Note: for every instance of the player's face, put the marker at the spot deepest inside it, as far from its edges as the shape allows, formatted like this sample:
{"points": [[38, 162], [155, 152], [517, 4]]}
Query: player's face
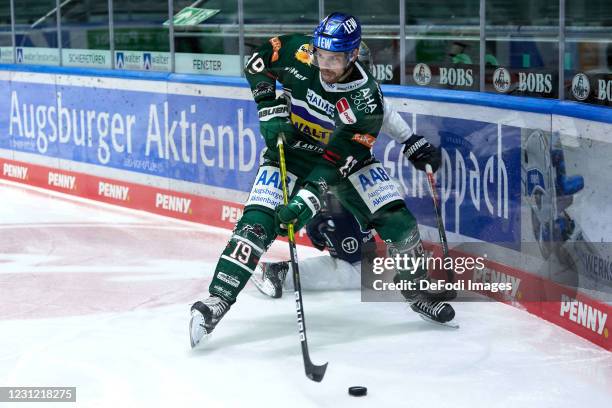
{"points": [[331, 64]]}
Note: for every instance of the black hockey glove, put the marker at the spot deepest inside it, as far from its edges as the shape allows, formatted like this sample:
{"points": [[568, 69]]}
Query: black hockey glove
{"points": [[316, 229], [420, 153]]}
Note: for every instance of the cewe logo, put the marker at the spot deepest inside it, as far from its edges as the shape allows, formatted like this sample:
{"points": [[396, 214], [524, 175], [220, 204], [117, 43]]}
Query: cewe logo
{"points": [[489, 275], [115, 191], [173, 203], [230, 213], [13, 171], [347, 115], [584, 314], [62, 181]]}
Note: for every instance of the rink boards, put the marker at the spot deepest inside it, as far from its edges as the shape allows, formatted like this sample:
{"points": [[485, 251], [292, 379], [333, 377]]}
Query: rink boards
{"points": [[188, 147]]}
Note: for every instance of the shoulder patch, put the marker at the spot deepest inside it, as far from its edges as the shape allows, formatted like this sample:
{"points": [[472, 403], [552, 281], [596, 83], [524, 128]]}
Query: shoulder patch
{"points": [[365, 140], [276, 46], [304, 54], [347, 115]]}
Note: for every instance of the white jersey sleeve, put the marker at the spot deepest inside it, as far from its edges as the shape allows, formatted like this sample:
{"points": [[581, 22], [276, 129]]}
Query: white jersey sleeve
{"points": [[394, 125]]}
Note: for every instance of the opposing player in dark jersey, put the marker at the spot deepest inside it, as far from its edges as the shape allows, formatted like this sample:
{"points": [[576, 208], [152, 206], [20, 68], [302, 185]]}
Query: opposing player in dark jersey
{"points": [[329, 116], [333, 229]]}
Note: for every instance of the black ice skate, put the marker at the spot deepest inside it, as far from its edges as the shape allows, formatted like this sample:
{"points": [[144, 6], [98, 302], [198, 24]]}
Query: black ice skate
{"points": [[204, 317], [272, 278], [435, 312], [430, 306]]}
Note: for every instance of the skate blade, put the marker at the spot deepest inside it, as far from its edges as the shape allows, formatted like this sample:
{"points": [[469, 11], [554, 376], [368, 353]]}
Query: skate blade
{"points": [[197, 333], [267, 290], [451, 324]]}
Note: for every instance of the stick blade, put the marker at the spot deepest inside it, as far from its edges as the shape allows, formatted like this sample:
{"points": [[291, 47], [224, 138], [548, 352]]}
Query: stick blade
{"points": [[316, 372]]}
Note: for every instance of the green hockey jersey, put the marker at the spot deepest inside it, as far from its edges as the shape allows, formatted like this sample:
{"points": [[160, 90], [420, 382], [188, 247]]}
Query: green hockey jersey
{"points": [[342, 118]]}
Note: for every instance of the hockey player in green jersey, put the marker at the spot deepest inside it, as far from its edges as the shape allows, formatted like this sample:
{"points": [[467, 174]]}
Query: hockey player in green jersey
{"points": [[329, 116]]}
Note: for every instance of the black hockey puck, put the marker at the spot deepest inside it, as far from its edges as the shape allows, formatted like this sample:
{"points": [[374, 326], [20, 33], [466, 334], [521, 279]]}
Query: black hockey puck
{"points": [[358, 391]]}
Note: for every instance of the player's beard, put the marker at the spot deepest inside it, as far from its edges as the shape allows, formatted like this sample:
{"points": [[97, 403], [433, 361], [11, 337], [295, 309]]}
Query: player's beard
{"points": [[330, 76]]}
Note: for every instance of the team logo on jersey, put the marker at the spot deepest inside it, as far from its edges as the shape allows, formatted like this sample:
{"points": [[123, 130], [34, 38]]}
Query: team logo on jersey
{"points": [[263, 88], [304, 54], [347, 115], [501, 80], [276, 46], [581, 87], [421, 74], [350, 245]]}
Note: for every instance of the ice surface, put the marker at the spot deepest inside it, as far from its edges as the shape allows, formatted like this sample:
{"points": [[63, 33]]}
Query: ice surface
{"points": [[97, 297]]}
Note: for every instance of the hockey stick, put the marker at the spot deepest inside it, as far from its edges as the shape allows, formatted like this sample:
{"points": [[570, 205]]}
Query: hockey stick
{"points": [[314, 372], [431, 182]]}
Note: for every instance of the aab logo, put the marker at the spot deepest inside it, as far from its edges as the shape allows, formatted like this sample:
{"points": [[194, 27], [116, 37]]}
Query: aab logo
{"points": [[501, 80], [146, 57], [120, 60], [273, 179], [376, 175], [422, 74], [581, 87]]}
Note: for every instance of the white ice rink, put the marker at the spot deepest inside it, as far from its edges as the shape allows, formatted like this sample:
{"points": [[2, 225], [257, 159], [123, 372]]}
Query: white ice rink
{"points": [[98, 298]]}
